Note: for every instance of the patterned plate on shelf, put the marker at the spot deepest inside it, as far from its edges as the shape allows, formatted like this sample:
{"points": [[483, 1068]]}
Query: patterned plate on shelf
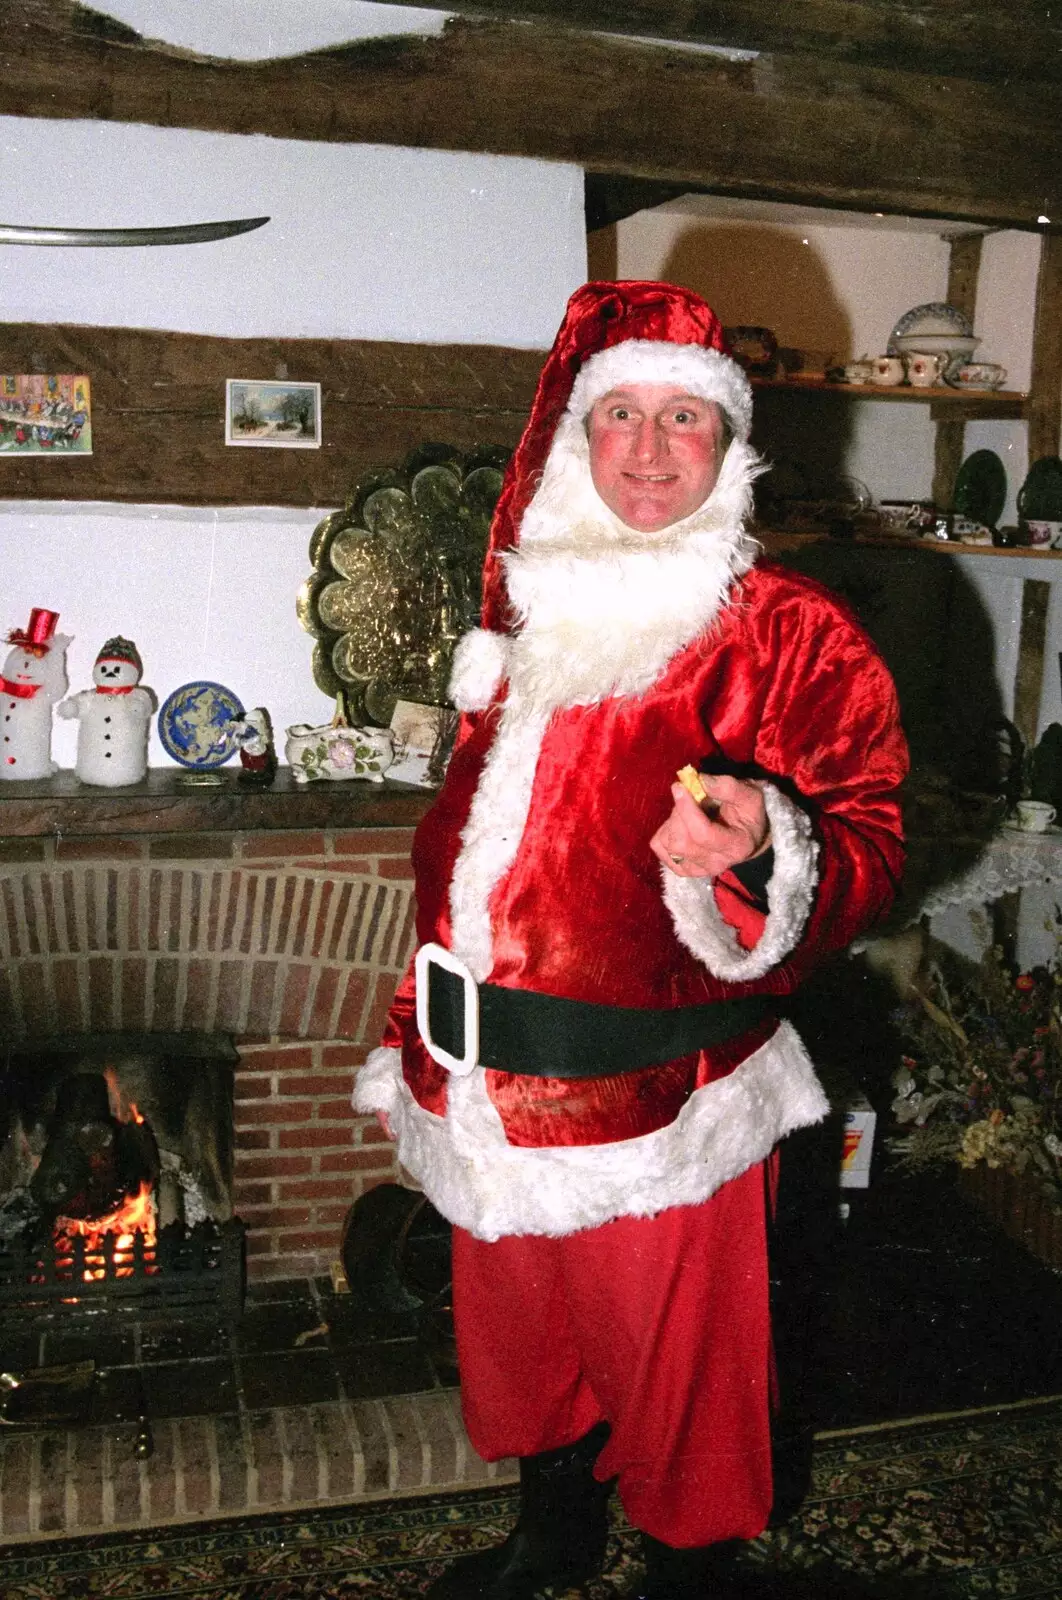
{"points": [[196, 725], [935, 317]]}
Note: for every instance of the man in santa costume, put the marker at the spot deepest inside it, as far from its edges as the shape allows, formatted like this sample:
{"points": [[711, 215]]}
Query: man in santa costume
{"points": [[585, 1067]]}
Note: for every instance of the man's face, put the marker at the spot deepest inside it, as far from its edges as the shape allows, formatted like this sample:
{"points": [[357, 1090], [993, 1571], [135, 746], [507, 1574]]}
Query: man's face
{"points": [[654, 453]]}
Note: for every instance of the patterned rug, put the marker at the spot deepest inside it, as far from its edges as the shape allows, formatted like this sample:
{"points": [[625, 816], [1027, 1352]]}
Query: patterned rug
{"points": [[956, 1507]]}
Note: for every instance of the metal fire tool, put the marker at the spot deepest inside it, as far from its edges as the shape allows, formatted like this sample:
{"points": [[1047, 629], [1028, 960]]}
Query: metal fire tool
{"points": [[63, 1396]]}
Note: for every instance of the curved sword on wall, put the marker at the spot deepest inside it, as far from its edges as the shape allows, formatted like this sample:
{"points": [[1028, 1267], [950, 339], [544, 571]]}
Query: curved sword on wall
{"points": [[186, 233]]}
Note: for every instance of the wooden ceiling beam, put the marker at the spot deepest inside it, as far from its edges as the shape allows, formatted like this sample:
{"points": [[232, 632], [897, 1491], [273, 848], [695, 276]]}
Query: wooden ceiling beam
{"points": [[984, 40], [778, 127]]}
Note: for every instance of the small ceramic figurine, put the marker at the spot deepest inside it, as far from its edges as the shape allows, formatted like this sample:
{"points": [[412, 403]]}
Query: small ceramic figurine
{"points": [[34, 678], [113, 718], [258, 758], [337, 751]]}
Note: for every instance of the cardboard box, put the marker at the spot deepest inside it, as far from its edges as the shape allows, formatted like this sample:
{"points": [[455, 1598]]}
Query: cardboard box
{"points": [[860, 1121]]}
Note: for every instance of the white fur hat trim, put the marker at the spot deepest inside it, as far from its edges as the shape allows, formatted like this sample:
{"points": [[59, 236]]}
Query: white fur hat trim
{"points": [[706, 373]]}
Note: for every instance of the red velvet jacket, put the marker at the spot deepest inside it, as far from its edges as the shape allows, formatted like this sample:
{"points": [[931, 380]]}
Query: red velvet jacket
{"points": [[784, 684]]}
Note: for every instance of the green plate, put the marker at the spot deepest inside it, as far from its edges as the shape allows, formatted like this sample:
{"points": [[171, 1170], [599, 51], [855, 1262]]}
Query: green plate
{"points": [[1040, 496], [981, 488]]}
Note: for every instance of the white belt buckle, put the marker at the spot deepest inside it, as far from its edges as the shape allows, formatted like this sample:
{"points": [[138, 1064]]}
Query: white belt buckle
{"points": [[460, 1066]]}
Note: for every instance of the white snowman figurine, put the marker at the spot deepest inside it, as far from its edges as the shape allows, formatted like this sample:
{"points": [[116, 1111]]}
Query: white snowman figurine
{"points": [[113, 718], [33, 679]]}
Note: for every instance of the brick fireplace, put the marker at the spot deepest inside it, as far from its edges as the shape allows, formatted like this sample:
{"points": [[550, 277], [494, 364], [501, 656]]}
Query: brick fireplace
{"points": [[282, 918]]}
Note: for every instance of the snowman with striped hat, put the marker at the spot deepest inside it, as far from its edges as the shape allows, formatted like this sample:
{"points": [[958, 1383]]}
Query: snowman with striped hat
{"points": [[113, 718]]}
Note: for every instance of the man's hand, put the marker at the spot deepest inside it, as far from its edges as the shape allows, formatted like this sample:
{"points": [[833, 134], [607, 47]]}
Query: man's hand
{"points": [[385, 1123], [732, 826]]}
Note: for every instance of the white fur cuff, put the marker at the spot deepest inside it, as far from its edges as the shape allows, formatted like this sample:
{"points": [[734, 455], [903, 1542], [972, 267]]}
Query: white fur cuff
{"points": [[480, 664], [377, 1085], [701, 928]]}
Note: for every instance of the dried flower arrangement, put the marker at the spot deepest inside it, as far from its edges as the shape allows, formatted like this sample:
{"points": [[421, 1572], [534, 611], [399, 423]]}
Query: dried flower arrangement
{"points": [[983, 1080]]}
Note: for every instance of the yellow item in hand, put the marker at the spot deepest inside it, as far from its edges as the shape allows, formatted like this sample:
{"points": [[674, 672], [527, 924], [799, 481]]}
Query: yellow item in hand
{"points": [[690, 780]]}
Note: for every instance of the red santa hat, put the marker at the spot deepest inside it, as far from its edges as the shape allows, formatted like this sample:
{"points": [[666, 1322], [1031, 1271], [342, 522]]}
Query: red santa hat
{"points": [[612, 333]]}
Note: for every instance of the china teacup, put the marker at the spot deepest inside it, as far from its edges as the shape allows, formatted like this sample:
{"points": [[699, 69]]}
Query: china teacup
{"points": [[912, 516], [1035, 816], [979, 375], [923, 369], [1041, 534], [886, 371]]}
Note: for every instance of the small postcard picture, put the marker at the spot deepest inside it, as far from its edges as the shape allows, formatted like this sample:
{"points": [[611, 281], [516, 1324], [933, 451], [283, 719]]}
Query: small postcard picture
{"points": [[424, 738], [45, 415], [277, 415]]}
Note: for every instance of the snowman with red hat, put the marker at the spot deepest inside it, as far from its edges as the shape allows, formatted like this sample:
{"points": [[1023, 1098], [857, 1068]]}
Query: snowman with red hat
{"points": [[113, 718], [33, 679]]}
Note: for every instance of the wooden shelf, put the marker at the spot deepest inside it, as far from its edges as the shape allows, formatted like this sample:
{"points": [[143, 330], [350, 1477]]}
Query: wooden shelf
{"points": [[944, 403], [776, 540], [62, 807]]}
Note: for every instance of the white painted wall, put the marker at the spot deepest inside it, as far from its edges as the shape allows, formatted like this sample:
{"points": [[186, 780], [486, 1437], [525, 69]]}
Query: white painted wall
{"points": [[366, 242], [363, 242], [253, 30]]}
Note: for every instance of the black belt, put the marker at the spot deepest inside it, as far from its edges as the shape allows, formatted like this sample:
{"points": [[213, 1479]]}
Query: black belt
{"points": [[544, 1036]]}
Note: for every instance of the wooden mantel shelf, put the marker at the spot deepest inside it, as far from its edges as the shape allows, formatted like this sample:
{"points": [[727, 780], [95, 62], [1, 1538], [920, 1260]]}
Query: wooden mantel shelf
{"points": [[62, 807]]}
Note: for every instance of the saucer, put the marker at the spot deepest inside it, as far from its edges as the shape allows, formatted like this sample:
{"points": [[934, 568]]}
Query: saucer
{"points": [[1052, 831]]}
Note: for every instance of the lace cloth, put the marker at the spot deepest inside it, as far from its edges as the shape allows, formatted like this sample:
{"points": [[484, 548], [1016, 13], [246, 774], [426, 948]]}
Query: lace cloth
{"points": [[944, 873]]}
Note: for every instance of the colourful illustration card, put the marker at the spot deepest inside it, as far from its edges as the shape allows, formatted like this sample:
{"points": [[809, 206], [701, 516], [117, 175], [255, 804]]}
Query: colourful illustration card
{"points": [[45, 414]]}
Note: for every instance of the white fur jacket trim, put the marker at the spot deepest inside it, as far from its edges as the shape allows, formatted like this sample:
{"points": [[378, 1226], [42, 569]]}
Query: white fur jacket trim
{"points": [[480, 664], [702, 930], [480, 1182]]}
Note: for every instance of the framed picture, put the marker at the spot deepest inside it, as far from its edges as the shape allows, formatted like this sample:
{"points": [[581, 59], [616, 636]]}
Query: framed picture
{"points": [[276, 416], [45, 414]]}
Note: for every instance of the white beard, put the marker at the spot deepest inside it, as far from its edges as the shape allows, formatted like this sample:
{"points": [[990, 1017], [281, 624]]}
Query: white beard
{"points": [[602, 608]]}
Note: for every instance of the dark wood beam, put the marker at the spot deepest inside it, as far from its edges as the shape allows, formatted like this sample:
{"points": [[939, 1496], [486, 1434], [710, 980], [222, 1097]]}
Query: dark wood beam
{"points": [[783, 126], [158, 412], [1045, 386], [985, 40], [610, 198], [964, 265]]}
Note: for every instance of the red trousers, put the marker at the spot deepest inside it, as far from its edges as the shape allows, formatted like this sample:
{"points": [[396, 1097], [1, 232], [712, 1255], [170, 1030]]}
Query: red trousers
{"points": [[659, 1326]]}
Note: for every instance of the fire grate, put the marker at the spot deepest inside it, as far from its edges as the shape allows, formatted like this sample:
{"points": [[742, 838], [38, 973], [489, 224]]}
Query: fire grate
{"points": [[187, 1272], [108, 1132]]}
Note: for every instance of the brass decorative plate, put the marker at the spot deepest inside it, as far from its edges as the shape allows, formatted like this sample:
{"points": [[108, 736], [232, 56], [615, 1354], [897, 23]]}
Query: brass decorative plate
{"points": [[324, 533], [396, 578]]}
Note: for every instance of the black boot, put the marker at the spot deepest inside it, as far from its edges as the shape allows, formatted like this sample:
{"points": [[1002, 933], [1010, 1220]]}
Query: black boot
{"points": [[698, 1573], [559, 1537]]}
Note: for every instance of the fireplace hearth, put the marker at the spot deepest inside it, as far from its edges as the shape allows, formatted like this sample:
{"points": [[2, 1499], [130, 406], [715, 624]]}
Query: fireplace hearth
{"points": [[116, 1179]]}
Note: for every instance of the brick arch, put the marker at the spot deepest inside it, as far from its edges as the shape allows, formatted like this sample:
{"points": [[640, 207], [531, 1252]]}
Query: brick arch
{"points": [[274, 950]]}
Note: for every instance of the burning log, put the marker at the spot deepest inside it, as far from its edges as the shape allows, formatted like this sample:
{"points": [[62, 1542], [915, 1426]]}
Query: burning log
{"points": [[92, 1161]]}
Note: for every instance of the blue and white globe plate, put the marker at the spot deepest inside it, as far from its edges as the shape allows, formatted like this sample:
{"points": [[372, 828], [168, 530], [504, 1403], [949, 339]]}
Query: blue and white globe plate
{"points": [[196, 725]]}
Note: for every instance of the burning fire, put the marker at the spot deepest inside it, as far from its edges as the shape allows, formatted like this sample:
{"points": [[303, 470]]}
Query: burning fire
{"points": [[135, 1215], [125, 1111]]}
